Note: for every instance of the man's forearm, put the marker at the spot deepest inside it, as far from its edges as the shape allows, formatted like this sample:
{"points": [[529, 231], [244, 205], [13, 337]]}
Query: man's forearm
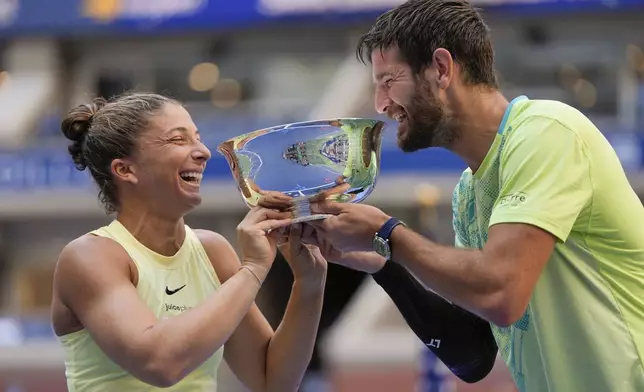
{"points": [[291, 347], [459, 275], [461, 340]]}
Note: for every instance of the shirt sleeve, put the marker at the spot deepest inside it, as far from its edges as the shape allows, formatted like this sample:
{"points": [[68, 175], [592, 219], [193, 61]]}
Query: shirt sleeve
{"points": [[545, 177]]}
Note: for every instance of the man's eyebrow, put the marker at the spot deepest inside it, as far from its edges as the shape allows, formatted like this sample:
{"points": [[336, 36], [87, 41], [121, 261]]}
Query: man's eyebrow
{"points": [[382, 75]]}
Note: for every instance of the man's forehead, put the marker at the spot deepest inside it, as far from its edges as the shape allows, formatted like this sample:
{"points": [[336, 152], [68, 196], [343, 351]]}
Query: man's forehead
{"points": [[385, 62], [390, 55]]}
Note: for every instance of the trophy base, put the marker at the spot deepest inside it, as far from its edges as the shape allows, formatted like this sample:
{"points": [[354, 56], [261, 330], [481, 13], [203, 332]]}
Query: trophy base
{"points": [[301, 219], [303, 211]]}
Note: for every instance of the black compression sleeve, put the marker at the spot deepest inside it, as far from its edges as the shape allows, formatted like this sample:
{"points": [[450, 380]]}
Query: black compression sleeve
{"points": [[460, 339]]}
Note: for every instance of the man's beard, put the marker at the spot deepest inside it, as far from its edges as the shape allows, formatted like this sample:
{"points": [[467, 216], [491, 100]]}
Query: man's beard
{"points": [[427, 123]]}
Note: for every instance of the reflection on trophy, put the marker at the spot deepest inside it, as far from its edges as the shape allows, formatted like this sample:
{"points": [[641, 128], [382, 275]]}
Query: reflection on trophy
{"points": [[310, 161], [241, 166]]}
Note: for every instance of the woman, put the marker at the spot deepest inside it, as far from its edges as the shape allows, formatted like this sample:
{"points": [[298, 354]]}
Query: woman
{"points": [[147, 302]]}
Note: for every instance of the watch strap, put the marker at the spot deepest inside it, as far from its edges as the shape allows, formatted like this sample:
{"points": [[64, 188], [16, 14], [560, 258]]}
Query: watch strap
{"points": [[388, 227]]}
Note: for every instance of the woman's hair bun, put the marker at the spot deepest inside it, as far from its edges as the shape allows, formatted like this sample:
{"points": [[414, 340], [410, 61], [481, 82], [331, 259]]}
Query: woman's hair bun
{"points": [[76, 125]]}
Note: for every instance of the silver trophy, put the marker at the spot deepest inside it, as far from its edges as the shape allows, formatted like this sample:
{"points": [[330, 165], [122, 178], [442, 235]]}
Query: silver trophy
{"points": [[310, 161]]}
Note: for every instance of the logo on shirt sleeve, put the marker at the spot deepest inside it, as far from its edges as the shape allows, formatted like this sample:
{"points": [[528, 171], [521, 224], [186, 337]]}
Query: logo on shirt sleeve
{"points": [[512, 200]]}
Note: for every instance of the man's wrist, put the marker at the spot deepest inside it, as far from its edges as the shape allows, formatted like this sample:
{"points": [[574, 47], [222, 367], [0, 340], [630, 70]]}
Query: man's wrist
{"points": [[383, 270], [372, 273], [393, 239], [369, 262], [382, 243], [379, 222]]}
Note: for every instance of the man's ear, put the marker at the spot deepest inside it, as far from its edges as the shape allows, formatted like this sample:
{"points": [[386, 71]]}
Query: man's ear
{"points": [[441, 72], [124, 170]]}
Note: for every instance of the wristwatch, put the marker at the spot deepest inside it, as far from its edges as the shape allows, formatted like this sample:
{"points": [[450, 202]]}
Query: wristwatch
{"points": [[380, 241]]}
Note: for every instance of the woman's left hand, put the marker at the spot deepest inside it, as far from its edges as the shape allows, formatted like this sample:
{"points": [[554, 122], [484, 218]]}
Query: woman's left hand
{"points": [[305, 261]]}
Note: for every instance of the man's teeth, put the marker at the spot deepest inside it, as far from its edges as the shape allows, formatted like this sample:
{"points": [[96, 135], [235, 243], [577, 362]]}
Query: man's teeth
{"points": [[191, 176]]}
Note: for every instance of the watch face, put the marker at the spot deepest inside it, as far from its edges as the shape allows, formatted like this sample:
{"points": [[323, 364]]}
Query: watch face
{"points": [[381, 247]]}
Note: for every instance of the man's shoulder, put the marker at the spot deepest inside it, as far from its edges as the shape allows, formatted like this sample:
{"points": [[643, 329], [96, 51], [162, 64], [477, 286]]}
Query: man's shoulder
{"points": [[551, 128], [533, 117], [547, 109], [543, 125]]}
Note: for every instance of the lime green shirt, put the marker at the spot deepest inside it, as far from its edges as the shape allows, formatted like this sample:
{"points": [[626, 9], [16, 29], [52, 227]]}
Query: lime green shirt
{"points": [[550, 167]]}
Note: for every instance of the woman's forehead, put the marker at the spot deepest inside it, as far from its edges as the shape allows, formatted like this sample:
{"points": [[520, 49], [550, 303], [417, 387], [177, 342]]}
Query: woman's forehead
{"points": [[172, 117]]}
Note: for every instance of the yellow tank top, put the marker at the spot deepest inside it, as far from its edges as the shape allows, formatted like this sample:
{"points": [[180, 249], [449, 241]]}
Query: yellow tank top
{"points": [[169, 286]]}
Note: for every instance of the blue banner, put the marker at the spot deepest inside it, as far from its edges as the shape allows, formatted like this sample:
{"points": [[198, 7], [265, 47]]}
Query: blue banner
{"points": [[65, 17], [39, 168], [45, 168]]}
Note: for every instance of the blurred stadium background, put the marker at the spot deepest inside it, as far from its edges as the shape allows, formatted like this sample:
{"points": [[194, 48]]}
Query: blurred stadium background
{"points": [[246, 64]]}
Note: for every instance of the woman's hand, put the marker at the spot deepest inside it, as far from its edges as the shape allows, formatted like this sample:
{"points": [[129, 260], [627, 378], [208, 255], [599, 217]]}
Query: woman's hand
{"points": [[257, 235], [305, 260]]}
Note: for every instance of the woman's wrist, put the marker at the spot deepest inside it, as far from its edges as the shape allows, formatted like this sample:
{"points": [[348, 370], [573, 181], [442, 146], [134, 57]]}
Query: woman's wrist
{"points": [[259, 272], [311, 281]]}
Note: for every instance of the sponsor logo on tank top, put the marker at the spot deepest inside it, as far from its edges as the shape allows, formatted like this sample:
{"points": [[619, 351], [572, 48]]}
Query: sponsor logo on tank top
{"points": [[176, 308], [173, 292]]}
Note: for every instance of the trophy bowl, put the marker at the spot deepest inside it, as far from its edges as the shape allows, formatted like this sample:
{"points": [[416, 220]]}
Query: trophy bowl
{"points": [[310, 161]]}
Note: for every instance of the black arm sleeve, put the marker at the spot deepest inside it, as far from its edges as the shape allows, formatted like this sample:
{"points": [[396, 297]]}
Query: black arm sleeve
{"points": [[460, 339]]}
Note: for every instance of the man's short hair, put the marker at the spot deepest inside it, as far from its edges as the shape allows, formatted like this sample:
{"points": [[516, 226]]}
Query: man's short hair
{"points": [[419, 27]]}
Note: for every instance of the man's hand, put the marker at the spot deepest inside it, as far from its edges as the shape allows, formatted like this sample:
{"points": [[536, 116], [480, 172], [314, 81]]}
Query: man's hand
{"points": [[369, 262], [352, 226]]}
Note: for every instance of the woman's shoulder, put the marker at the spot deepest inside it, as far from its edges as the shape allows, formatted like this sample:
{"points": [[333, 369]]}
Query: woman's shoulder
{"points": [[211, 238], [220, 252], [91, 244], [92, 254]]}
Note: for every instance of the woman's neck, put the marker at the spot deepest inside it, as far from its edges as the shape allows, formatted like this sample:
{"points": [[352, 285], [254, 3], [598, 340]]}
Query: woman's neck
{"points": [[162, 235]]}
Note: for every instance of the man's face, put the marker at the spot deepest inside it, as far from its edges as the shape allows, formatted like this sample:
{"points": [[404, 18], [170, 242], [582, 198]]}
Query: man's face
{"points": [[410, 99]]}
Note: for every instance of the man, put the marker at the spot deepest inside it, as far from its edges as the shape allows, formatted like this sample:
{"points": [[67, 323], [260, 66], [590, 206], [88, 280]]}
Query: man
{"points": [[549, 240]]}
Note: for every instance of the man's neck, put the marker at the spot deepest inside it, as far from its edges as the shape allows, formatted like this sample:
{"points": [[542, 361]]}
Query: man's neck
{"points": [[162, 235], [479, 116]]}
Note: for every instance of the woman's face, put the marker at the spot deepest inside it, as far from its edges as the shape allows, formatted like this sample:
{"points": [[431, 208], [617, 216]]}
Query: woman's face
{"points": [[170, 160]]}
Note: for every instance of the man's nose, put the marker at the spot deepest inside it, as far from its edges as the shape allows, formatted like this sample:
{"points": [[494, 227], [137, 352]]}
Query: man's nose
{"points": [[382, 101]]}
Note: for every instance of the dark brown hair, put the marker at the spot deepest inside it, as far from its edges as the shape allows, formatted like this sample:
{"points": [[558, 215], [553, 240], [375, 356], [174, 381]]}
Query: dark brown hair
{"points": [[419, 27], [103, 130]]}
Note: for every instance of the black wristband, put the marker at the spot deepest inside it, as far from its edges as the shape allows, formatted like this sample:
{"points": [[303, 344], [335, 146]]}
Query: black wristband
{"points": [[460, 339]]}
